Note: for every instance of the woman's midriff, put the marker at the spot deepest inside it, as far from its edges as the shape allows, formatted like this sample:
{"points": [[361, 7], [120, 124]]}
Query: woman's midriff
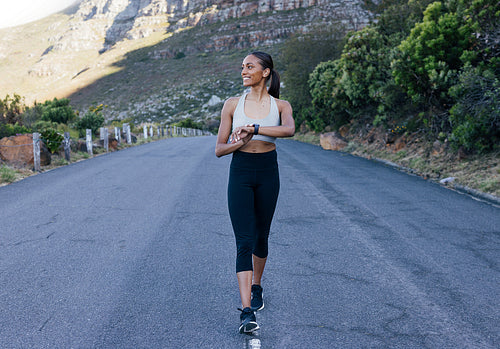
{"points": [[258, 147]]}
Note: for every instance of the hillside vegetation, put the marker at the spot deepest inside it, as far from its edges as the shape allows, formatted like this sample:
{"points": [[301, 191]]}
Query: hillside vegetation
{"points": [[419, 86]]}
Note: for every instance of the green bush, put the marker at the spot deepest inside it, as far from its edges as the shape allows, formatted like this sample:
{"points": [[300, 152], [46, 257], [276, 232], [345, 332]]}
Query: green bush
{"points": [[52, 139], [396, 18], [91, 120], [41, 125], [359, 85], [7, 130], [188, 123], [7, 175], [179, 55], [329, 102], [58, 110], [475, 117], [431, 56]]}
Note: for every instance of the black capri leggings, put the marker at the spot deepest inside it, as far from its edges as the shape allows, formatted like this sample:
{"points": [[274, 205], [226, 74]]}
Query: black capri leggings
{"points": [[252, 194]]}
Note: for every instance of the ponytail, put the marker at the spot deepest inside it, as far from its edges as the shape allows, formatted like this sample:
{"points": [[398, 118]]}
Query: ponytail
{"points": [[266, 61], [274, 86]]}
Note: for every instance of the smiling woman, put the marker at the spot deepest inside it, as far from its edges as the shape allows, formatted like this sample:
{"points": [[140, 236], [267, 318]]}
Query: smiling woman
{"points": [[249, 127], [17, 12]]}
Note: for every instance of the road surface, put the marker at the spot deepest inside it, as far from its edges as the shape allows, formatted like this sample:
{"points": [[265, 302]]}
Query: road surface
{"points": [[134, 249]]}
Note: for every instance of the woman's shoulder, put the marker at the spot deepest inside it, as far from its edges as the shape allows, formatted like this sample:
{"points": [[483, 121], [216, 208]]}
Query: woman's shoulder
{"points": [[282, 103], [232, 101]]}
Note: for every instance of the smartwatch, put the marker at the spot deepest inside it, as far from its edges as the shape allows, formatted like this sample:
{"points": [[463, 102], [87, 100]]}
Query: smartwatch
{"points": [[256, 129]]}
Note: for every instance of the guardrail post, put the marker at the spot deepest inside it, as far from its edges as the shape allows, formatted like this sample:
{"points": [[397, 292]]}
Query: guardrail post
{"points": [[129, 136], [36, 151], [145, 131], [89, 142], [67, 146], [105, 138], [117, 135]]}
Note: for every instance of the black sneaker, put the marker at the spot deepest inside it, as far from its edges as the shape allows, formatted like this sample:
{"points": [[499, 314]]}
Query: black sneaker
{"points": [[248, 321], [257, 302]]}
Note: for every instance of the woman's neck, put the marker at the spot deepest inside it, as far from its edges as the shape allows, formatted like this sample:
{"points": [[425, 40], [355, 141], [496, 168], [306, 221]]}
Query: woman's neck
{"points": [[258, 93]]}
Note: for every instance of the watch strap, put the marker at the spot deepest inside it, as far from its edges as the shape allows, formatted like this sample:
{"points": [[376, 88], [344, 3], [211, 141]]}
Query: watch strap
{"points": [[256, 129]]}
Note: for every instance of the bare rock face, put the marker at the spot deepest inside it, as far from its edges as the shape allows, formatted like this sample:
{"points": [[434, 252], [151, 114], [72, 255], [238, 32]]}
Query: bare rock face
{"points": [[332, 141], [18, 150], [99, 24]]}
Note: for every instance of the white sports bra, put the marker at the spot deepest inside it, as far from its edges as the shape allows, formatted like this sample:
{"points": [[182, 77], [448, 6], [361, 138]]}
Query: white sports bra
{"points": [[272, 119]]}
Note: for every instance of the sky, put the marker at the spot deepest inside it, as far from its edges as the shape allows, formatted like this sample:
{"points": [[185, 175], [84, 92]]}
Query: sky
{"points": [[16, 12]]}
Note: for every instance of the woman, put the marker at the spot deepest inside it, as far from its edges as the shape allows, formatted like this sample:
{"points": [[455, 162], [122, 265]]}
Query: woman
{"points": [[248, 129]]}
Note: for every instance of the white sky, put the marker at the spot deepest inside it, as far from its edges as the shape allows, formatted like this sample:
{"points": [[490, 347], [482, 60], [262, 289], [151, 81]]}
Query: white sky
{"points": [[16, 12]]}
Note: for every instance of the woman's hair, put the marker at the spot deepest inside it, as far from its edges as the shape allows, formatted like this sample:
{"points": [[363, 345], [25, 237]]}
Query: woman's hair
{"points": [[266, 61]]}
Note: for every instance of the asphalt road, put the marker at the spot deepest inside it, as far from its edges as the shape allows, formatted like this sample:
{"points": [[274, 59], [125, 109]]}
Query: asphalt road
{"points": [[134, 249]]}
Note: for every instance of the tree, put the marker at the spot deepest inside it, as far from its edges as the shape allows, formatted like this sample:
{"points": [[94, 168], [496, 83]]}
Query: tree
{"points": [[11, 109], [329, 101], [475, 117], [396, 18], [300, 56], [431, 56], [31, 115], [358, 85]]}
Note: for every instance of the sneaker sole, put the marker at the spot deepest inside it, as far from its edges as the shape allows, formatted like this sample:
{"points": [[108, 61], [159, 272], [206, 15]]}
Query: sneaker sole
{"points": [[249, 327], [257, 309]]}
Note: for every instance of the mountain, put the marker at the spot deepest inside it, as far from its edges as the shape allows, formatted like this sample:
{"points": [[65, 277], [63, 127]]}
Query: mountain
{"points": [[155, 59]]}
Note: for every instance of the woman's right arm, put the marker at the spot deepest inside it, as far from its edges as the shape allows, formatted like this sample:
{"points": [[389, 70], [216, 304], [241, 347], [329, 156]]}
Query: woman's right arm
{"points": [[222, 147]]}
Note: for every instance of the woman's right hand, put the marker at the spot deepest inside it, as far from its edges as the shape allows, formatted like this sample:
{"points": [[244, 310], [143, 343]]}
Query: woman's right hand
{"points": [[243, 133]]}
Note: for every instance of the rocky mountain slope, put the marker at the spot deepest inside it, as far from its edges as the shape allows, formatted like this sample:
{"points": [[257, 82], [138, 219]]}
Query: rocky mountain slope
{"points": [[154, 59]]}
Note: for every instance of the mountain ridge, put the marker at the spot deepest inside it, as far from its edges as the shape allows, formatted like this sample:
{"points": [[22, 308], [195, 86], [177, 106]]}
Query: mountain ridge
{"points": [[136, 42]]}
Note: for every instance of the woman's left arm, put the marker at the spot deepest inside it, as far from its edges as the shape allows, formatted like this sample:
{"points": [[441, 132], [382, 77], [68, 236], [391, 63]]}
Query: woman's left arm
{"points": [[287, 127]]}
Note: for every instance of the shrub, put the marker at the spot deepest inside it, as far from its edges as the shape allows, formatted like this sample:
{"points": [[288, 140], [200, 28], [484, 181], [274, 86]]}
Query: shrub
{"points": [[7, 130], [92, 120], [7, 175], [179, 55], [52, 139], [188, 123], [358, 85], [58, 110], [431, 56], [475, 117], [329, 102]]}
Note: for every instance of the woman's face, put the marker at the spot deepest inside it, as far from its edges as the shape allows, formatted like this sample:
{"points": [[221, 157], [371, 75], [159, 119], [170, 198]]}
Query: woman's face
{"points": [[252, 72]]}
